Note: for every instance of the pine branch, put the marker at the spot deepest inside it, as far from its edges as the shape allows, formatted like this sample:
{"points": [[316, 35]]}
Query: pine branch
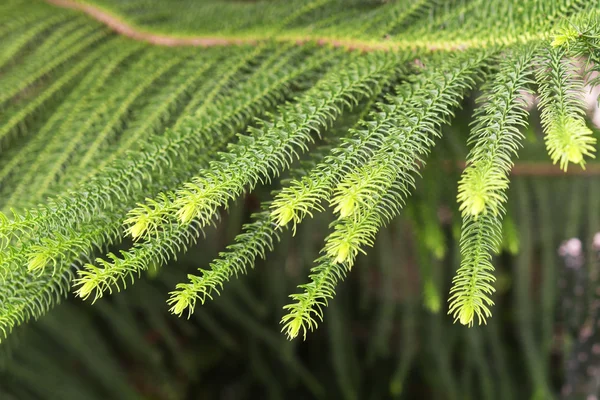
{"points": [[129, 176], [162, 108], [56, 50], [568, 139], [257, 239], [70, 132], [273, 145], [68, 109], [372, 196], [153, 142], [495, 138], [39, 27], [65, 79], [257, 93]]}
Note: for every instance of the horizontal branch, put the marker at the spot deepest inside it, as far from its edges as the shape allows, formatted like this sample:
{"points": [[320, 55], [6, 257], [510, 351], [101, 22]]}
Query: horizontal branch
{"points": [[122, 27]]}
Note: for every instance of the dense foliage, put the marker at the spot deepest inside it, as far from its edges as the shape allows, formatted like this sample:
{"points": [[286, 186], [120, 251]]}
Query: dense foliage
{"points": [[119, 156]]}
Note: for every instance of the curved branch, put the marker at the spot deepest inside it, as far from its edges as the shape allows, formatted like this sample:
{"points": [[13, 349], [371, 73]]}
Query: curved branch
{"points": [[124, 28]]}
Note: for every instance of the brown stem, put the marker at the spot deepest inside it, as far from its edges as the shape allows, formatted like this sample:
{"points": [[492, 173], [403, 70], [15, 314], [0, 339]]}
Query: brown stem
{"points": [[122, 27]]}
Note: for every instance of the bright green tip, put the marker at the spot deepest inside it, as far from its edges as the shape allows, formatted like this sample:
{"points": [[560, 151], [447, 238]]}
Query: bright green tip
{"points": [[558, 41], [138, 229], [569, 140], [466, 315], [86, 289], [186, 213], [38, 261], [343, 253], [346, 207], [477, 205], [480, 189], [293, 328], [565, 36], [283, 215], [574, 155], [180, 306]]}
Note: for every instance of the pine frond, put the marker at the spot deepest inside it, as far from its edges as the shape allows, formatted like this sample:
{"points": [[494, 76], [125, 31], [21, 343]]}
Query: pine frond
{"points": [[389, 178], [111, 128], [53, 156], [150, 136], [162, 109], [39, 26], [306, 310], [59, 48], [270, 149], [70, 220], [129, 175], [15, 119], [68, 109], [174, 237], [320, 106], [14, 19], [495, 138], [257, 239], [568, 139], [46, 280]]}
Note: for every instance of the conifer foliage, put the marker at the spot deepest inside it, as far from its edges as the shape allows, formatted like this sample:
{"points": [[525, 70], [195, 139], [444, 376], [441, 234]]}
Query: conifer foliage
{"points": [[116, 155]]}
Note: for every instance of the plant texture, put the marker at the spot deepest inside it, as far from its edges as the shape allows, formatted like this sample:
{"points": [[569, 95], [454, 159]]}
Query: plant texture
{"points": [[118, 154]]}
